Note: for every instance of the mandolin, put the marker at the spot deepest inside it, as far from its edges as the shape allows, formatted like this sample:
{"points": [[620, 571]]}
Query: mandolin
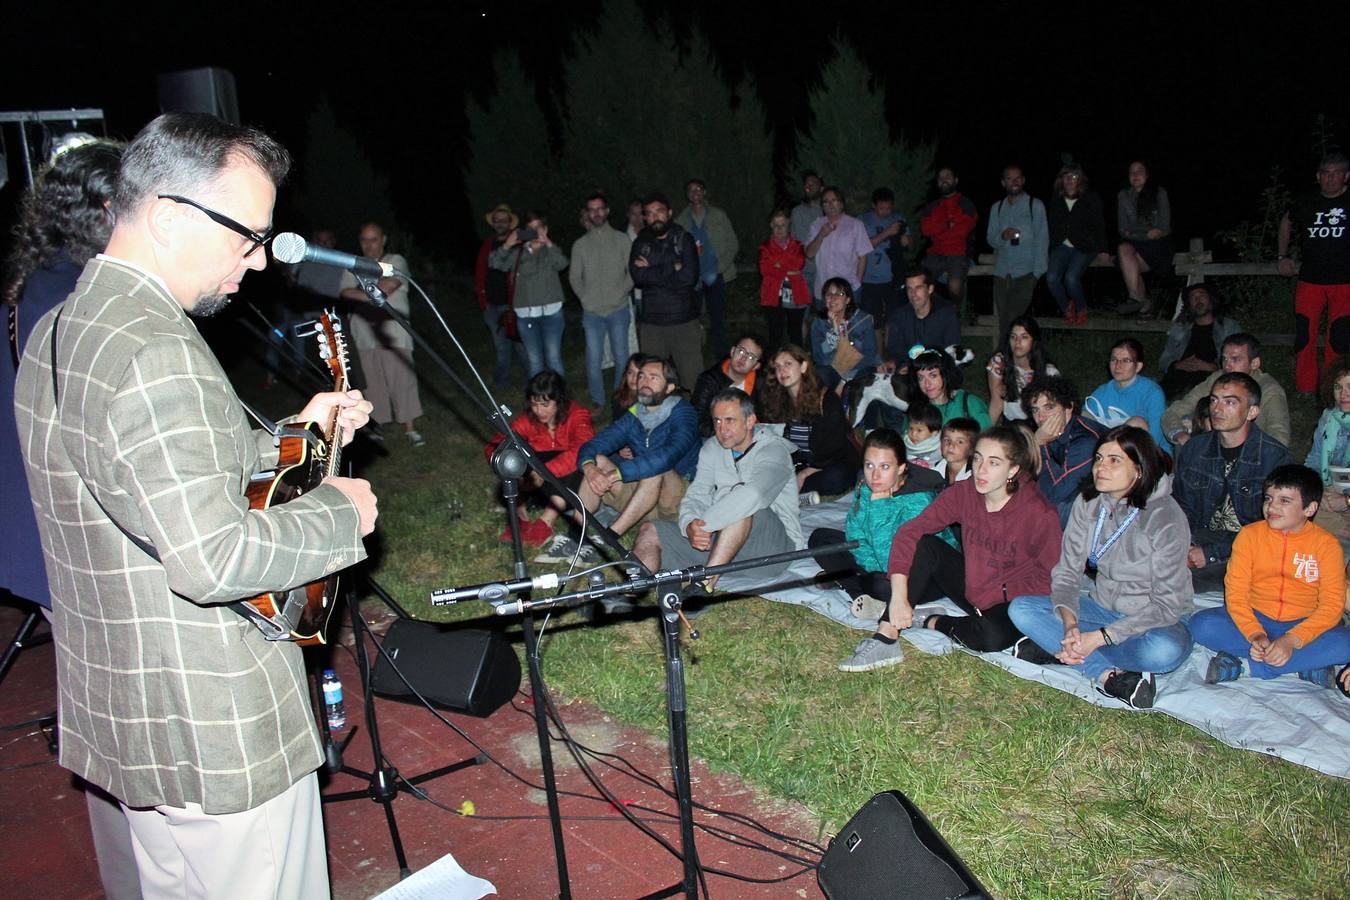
{"points": [[307, 454]]}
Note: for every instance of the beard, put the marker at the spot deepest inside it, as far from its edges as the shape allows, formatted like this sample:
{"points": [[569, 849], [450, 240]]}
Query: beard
{"points": [[649, 397], [209, 306], [659, 228]]}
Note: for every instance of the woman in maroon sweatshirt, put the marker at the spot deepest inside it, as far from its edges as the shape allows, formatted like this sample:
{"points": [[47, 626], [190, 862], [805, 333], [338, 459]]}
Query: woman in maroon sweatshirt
{"points": [[1011, 538]]}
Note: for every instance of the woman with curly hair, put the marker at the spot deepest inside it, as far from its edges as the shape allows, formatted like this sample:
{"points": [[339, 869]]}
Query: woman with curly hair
{"points": [[813, 420]]}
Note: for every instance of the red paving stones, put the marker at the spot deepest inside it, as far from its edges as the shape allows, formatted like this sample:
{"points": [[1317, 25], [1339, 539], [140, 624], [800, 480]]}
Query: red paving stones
{"points": [[43, 830]]}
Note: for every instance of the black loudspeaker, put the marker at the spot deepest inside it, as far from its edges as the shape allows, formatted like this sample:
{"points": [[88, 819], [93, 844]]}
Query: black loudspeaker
{"points": [[208, 90], [465, 671], [889, 850]]}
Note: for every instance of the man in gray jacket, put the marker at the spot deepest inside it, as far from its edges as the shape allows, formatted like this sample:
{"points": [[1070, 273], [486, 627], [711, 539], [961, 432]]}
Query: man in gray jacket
{"points": [[717, 248], [599, 276], [1241, 352], [741, 503], [1021, 239]]}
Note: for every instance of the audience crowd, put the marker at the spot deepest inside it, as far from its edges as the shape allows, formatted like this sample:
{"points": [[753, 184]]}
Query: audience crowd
{"points": [[1156, 488]]}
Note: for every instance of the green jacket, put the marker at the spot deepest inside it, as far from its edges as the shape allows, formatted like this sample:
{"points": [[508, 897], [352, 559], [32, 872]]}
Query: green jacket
{"points": [[723, 237], [873, 524]]}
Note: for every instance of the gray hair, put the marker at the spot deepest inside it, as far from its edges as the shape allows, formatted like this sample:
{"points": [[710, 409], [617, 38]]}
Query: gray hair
{"points": [[734, 395], [179, 153]]}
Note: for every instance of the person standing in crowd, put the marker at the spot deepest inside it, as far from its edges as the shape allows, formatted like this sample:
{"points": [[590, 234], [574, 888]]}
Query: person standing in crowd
{"points": [[843, 341], [1022, 346], [927, 320], [717, 248], [948, 223], [599, 276], [1130, 535], [813, 419], [384, 348], [884, 499], [1011, 538], [1144, 220], [1020, 236], [494, 289], [838, 244], [1128, 394], [1064, 439], [64, 220], [664, 265], [1238, 352], [1330, 452], [885, 228], [1219, 474], [1319, 220], [534, 262], [742, 502], [1077, 236], [1192, 351], [783, 293], [742, 369], [212, 750], [804, 216]]}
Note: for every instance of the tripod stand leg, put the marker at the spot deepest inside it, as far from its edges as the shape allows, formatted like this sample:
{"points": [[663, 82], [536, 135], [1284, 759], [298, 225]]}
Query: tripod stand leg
{"points": [[25, 631]]}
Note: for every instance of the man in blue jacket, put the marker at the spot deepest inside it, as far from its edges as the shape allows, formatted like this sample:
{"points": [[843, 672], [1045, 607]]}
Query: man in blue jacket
{"points": [[1065, 440], [660, 433]]}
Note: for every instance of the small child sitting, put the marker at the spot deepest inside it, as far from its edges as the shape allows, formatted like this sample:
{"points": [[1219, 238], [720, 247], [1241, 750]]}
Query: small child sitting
{"points": [[881, 504], [958, 444], [923, 435], [1285, 590]]}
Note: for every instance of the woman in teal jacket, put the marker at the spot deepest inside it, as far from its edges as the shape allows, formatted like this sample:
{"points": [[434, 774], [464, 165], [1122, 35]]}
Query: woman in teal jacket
{"points": [[880, 506]]}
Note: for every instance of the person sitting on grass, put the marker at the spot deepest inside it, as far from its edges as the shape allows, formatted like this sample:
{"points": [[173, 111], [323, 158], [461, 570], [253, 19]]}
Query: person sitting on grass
{"points": [[740, 369], [1239, 352], [882, 502], [935, 375], [555, 427], [1283, 594], [923, 434], [1128, 394], [1132, 537], [813, 419], [1064, 439], [958, 444], [625, 395], [1023, 346], [742, 502], [1011, 538], [843, 337], [1331, 451], [661, 430]]}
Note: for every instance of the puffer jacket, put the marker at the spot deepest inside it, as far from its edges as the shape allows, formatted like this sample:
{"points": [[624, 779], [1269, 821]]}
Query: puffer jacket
{"points": [[668, 296]]}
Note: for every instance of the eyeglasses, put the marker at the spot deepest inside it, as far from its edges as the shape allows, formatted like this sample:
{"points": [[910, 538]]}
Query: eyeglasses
{"points": [[256, 240], [835, 294], [741, 351]]}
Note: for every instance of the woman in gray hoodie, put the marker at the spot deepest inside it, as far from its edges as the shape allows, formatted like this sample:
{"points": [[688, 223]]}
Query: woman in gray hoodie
{"points": [[1131, 538]]}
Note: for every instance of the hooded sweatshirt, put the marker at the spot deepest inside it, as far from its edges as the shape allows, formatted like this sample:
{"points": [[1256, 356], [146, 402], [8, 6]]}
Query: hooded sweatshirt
{"points": [[1008, 553], [1143, 576]]}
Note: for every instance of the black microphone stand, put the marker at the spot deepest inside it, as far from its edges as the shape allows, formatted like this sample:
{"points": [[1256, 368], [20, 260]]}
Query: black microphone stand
{"points": [[671, 595]]}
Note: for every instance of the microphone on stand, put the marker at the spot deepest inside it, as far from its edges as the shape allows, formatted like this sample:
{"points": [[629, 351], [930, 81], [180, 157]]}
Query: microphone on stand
{"points": [[289, 247]]}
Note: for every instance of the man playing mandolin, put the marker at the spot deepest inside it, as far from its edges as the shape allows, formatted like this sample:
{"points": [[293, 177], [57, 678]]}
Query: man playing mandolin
{"points": [[139, 456]]}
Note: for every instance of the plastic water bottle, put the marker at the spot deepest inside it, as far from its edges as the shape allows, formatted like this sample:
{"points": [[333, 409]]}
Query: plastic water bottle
{"points": [[332, 701]]}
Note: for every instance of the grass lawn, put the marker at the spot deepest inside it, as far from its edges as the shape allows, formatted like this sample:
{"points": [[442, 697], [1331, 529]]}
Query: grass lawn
{"points": [[1042, 794]]}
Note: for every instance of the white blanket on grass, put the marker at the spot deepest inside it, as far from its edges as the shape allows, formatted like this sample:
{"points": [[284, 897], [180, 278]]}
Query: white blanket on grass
{"points": [[1284, 717]]}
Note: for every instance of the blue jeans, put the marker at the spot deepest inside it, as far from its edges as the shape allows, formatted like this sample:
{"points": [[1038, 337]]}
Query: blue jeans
{"points": [[1157, 650], [715, 300], [1064, 277], [615, 325], [505, 347], [542, 337], [1214, 628]]}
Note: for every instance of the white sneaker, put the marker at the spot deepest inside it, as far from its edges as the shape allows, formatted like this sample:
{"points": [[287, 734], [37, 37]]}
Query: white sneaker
{"points": [[415, 439], [872, 654], [810, 498], [560, 549], [865, 606]]}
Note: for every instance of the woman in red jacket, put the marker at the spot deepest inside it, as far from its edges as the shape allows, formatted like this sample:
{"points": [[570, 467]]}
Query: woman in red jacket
{"points": [[555, 428], [1011, 540], [783, 294]]}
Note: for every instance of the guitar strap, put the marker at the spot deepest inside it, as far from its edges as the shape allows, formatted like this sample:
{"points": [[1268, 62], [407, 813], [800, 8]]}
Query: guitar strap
{"points": [[271, 630]]}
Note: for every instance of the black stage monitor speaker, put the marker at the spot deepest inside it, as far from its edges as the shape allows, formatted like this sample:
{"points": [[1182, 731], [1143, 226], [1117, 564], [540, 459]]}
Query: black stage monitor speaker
{"points": [[466, 671], [208, 90], [889, 850]]}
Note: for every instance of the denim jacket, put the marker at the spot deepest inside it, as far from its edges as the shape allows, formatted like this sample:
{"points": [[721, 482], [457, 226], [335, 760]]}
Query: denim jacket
{"points": [[1199, 485]]}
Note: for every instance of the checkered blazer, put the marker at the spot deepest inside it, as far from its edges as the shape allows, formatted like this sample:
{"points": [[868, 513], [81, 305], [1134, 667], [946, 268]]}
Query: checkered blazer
{"points": [[166, 695]]}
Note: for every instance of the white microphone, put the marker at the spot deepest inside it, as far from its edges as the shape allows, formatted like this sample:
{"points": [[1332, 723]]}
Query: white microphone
{"points": [[289, 247]]}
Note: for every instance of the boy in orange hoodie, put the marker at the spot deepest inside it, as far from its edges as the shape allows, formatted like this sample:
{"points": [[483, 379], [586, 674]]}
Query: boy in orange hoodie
{"points": [[1285, 590]]}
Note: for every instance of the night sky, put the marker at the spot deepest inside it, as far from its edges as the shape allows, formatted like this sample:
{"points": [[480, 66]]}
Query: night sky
{"points": [[1212, 94]]}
